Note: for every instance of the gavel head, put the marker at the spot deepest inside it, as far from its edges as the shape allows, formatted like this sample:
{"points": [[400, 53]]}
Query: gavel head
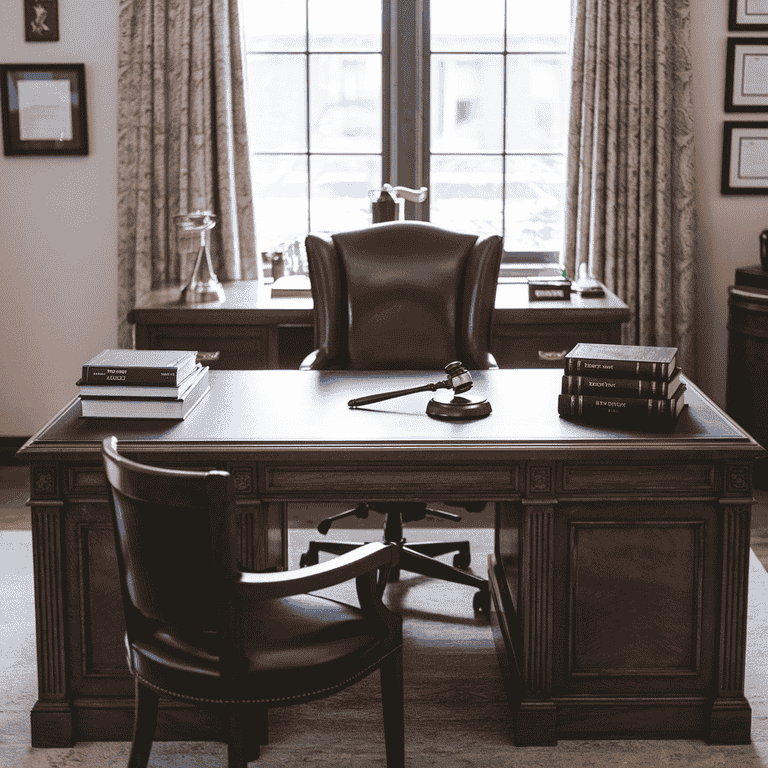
{"points": [[458, 377]]}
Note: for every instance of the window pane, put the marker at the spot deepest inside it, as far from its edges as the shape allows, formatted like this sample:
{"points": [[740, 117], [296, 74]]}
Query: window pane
{"points": [[339, 191], [535, 200], [277, 103], [544, 25], [456, 25], [345, 102], [271, 26], [467, 98], [280, 199], [344, 25], [537, 103], [466, 194]]}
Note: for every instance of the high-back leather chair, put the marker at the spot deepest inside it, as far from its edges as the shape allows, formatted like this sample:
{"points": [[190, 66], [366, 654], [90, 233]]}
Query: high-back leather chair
{"points": [[404, 296], [201, 630]]}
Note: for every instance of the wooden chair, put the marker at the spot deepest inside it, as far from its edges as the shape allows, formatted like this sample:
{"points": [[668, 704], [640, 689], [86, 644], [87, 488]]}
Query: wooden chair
{"points": [[404, 296], [201, 630]]}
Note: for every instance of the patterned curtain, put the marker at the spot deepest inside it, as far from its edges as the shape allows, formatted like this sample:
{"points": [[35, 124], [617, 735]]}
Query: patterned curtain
{"points": [[182, 144], [630, 213]]}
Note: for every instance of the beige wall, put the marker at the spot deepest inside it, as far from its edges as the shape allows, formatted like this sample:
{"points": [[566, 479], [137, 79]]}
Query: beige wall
{"points": [[58, 223], [58, 228]]}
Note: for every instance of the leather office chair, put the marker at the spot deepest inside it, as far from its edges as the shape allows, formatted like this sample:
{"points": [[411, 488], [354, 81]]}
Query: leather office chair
{"points": [[201, 630], [404, 296]]}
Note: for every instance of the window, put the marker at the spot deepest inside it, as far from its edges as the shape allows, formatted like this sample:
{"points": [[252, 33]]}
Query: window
{"points": [[467, 99]]}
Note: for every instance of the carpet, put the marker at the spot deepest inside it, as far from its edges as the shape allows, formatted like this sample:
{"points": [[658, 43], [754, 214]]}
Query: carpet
{"points": [[456, 711]]}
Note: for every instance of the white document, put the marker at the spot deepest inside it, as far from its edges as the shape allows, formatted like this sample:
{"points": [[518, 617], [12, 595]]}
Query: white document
{"points": [[44, 110], [755, 7], [755, 76], [753, 158]]}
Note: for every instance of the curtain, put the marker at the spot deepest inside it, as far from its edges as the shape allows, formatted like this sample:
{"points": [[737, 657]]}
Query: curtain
{"points": [[182, 145], [630, 211]]}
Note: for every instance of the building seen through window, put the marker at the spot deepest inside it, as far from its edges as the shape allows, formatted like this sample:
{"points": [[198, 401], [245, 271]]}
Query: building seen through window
{"points": [[322, 79]]}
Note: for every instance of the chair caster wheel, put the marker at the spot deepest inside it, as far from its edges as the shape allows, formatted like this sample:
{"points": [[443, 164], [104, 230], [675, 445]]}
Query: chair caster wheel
{"points": [[461, 561], [481, 603], [307, 559]]}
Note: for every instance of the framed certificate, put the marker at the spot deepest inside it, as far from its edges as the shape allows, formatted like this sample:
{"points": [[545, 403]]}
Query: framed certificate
{"points": [[746, 75], [43, 109], [748, 16], [745, 158]]}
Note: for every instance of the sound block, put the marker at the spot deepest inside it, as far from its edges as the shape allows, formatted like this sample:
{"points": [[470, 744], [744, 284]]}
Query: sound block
{"points": [[458, 407]]}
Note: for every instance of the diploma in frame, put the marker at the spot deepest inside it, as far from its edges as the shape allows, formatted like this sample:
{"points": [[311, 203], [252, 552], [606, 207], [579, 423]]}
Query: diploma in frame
{"points": [[43, 108], [748, 16], [746, 75], [745, 158]]}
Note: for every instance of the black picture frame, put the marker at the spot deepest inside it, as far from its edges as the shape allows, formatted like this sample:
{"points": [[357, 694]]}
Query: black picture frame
{"points": [[745, 162], [744, 18], [41, 21], [746, 84], [33, 108]]}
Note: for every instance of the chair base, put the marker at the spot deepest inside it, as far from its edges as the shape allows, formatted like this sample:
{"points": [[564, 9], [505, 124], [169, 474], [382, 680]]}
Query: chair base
{"points": [[417, 557]]}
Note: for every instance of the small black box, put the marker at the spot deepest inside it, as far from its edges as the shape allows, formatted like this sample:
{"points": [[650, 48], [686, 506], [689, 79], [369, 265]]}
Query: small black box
{"points": [[548, 290]]}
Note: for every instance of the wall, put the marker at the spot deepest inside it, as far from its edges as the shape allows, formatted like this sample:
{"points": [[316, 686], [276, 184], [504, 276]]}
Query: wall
{"points": [[58, 229]]}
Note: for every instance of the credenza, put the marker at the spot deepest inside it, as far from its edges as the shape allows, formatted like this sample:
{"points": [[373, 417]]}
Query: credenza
{"points": [[618, 580], [251, 330]]}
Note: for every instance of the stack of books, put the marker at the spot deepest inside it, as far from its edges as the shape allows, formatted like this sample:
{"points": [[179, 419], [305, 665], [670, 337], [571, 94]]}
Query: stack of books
{"points": [[142, 384], [630, 387]]}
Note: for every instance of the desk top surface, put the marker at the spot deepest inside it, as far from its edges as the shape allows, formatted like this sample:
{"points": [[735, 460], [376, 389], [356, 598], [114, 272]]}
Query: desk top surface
{"points": [[284, 412]]}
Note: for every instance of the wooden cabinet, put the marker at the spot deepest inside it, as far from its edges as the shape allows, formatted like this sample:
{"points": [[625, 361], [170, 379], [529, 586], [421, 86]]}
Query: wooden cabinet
{"points": [[253, 331]]}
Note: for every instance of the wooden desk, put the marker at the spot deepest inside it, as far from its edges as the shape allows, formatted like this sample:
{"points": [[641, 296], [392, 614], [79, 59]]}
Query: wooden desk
{"points": [[618, 581], [253, 331]]}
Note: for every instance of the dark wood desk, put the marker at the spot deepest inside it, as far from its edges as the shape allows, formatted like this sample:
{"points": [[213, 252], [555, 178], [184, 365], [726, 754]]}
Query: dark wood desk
{"points": [[253, 331], [618, 581]]}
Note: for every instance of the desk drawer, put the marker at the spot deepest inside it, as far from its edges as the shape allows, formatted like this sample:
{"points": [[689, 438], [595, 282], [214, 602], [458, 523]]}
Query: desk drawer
{"points": [[652, 479], [544, 346], [394, 482]]}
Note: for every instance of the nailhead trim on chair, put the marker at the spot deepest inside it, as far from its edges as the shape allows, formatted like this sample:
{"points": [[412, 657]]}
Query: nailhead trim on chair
{"points": [[360, 674]]}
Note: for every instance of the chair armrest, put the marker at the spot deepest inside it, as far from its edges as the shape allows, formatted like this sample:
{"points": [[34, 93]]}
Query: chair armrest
{"points": [[358, 562]]}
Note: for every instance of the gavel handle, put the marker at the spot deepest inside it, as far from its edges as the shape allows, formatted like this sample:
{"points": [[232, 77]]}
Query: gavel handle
{"points": [[369, 399]]}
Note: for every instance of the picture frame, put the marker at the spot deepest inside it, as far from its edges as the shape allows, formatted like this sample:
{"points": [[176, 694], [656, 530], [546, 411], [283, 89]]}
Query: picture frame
{"points": [[41, 21], [745, 158], [748, 16], [746, 75], [43, 109]]}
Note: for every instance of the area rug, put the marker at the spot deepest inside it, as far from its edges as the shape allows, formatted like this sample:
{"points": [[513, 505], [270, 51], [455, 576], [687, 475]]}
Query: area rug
{"points": [[456, 711]]}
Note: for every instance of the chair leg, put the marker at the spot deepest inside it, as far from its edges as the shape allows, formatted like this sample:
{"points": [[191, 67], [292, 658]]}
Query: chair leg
{"points": [[144, 724], [393, 709], [238, 744]]}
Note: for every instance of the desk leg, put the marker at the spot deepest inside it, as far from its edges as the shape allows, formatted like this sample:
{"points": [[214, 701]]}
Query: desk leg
{"points": [[51, 719], [536, 718], [731, 715]]}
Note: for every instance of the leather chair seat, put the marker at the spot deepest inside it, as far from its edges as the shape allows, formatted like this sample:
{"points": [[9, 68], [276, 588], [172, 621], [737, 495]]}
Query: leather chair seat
{"points": [[318, 640]]}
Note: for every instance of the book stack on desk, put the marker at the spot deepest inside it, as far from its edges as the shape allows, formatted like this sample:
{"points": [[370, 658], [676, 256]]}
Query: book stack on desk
{"points": [[142, 384], [631, 387]]}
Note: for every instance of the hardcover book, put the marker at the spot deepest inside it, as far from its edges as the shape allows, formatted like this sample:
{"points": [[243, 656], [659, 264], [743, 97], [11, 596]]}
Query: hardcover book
{"points": [[141, 391], [145, 408], [621, 361], [639, 413], [598, 385], [138, 366]]}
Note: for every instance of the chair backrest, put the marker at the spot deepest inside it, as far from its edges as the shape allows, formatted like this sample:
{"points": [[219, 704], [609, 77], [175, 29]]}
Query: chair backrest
{"points": [[174, 540], [403, 296]]}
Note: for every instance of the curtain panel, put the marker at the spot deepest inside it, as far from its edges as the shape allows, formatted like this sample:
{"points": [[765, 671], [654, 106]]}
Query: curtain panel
{"points": [[182, 145], [630, 212]]}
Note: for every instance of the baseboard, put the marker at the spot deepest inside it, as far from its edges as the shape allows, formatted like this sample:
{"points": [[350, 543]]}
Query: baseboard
{"points": [[8, 448]]}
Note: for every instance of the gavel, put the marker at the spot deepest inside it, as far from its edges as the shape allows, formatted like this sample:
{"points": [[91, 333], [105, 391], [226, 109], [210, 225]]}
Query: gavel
{"points": [[459, 380]]}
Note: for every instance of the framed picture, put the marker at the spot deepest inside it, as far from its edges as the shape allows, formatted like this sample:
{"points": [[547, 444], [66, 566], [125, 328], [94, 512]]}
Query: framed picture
{"points": [[746, 75], [745, 158], [748, 16], [41, 21], [43, 108]]}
